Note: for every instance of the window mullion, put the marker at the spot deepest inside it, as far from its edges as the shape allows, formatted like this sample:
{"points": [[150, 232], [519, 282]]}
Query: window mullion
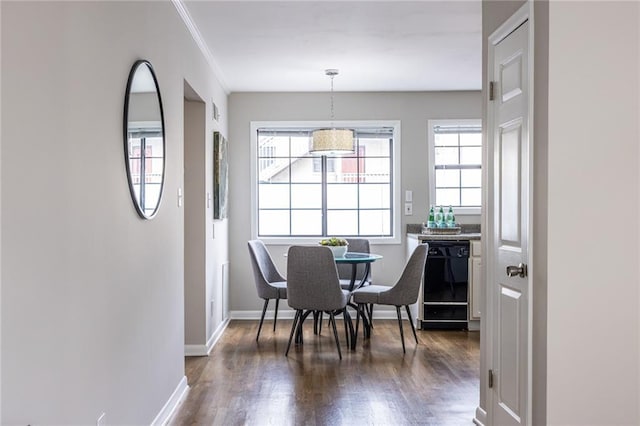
{"points": [[290, 189], [143, 172], [323, 182], [357, 141]]}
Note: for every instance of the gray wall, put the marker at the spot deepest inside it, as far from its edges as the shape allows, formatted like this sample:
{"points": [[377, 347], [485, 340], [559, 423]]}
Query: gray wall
{"points": [[593, 358], [194, 233], [92, 296], [413, 109]]}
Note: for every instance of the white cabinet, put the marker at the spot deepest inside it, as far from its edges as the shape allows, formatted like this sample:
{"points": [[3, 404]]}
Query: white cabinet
{"points": [[475, 280], [416, 311]]}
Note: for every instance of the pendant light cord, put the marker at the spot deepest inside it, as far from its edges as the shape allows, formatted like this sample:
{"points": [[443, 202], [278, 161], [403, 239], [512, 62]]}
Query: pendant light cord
{"points": [[332, 76]]}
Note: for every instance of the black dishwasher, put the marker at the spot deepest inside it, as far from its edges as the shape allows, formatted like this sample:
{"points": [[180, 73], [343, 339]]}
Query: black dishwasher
{"points": [[446, 285]]}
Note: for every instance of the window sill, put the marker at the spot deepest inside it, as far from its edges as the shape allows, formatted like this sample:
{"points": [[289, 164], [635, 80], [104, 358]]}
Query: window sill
{"points": [[466, 211], [288, 241]]}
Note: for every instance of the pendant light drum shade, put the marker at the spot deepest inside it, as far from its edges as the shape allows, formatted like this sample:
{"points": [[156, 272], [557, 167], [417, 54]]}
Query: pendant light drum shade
{"points": [[332, 141]]}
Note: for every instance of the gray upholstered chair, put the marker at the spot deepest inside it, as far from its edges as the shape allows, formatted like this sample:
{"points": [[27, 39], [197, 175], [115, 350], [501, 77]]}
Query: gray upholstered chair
{"points": [[269, 283], [403, 293], [358, 245], [313, 286]]}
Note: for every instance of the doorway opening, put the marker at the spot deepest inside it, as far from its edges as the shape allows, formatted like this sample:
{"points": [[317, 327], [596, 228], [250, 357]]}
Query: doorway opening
{"points": [[194, 247]]}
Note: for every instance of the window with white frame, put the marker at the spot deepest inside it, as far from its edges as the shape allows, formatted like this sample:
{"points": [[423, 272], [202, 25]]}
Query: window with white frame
{"points": [[456, 164], [299, 194]]}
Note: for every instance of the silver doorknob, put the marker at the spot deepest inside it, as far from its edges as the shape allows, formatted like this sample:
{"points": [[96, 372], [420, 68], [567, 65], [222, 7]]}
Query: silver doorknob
{"points": [[517, 271]]}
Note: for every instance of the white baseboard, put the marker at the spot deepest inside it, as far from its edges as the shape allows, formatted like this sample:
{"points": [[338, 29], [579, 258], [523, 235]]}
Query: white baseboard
{"points": [[174, 401], [481, 417], [205, 350], [289, 314], [473, 325]]}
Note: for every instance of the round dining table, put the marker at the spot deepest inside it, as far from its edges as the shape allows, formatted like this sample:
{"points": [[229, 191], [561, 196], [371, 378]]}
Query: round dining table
{"points": [[355, 259]]}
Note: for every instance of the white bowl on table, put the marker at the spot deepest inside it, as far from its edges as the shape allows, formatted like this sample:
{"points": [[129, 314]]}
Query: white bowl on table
{"points": [[338, 251]]}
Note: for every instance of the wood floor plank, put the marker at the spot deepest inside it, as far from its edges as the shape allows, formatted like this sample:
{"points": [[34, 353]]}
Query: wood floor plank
{"points": [[247, 383]]}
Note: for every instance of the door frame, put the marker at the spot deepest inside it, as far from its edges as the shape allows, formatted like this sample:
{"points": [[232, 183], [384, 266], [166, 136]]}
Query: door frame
{"points": [[525, 13]]}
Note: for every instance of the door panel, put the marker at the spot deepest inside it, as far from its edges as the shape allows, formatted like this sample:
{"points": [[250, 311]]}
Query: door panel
{"points": [[510, 141], [510, 77], [509, 379], [510, 146]]}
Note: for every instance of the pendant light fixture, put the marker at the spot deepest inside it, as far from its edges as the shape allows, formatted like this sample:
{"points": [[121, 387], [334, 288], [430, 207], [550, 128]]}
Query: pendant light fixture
{"points": [[332, 141]]}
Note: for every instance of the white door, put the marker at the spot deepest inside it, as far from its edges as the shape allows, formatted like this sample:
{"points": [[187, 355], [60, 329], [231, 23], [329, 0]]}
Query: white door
{"points": [[509, 142]]}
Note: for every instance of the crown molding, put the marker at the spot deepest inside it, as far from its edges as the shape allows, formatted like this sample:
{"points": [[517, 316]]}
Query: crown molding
{"points": [[197, 37]]}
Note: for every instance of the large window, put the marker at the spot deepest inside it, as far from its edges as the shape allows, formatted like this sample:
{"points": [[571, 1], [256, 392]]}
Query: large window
{"points": [[456, 164], [302, 195]]}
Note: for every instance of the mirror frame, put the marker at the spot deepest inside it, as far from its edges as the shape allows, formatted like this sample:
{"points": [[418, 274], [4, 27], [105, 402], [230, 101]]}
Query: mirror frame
{"points": [[136, 201]]}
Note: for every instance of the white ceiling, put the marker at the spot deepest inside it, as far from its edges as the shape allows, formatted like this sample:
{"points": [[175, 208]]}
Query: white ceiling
{"points": [[269, 46]]}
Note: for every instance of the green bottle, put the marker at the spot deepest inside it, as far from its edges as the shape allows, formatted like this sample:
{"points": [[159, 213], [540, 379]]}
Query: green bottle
{"points": [[440, 223], [451, 219], [431, 222]]}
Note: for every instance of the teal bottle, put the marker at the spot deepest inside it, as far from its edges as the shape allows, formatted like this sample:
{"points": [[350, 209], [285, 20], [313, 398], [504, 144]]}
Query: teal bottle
{"points": [[451, 219], [431, 222], [440, 218]]}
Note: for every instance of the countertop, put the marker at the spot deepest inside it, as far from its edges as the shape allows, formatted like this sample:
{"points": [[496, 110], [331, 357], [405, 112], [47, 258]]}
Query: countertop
{"points": [[457, 237]]}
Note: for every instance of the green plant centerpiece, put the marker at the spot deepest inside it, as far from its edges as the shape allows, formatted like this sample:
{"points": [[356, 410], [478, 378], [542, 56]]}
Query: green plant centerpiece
{"points": [[333, 241], [337, 245]]}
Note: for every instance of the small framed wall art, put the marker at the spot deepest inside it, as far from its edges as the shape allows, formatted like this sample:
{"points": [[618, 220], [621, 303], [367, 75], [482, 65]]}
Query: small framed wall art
{"points": [[220, 176]]}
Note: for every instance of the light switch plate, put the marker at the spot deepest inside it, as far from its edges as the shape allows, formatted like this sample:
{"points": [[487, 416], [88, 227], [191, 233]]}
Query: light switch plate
{"points": [[408, 196], [408, 209]]}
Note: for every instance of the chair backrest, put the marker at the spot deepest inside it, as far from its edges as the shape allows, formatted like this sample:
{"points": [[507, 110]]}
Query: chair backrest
{"points": [[312, 279], [358, 245], [264, 271], [406, 290]]}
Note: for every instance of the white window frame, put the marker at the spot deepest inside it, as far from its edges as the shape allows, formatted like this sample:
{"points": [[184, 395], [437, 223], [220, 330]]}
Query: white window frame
{"points": [[395, 238], [462, 211]]}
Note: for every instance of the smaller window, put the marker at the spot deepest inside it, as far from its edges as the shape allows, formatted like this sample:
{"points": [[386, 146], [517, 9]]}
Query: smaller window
{"points": [[455, 148]]}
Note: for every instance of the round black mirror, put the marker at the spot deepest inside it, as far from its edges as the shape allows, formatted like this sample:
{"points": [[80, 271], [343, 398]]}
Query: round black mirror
{"points": [[144, 146]]}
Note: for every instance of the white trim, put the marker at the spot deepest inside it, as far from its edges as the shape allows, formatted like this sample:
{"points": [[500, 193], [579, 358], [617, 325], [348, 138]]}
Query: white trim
{"points": [[396, 184], [431, 161], [202, 45], [174, 402], [195, 350], [205, 350], [523, 14], [481, 417]]}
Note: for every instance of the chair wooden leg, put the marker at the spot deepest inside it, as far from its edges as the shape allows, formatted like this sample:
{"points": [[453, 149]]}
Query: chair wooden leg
{"points": [[370, 312], [264, 310], [293, 329], [275, 315], [413, 328], [335, 332], [320, 323], [400, 325]]}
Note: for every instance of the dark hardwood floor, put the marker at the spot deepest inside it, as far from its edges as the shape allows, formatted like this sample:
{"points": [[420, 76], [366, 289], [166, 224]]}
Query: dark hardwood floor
{"points": [[247, 383]]}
